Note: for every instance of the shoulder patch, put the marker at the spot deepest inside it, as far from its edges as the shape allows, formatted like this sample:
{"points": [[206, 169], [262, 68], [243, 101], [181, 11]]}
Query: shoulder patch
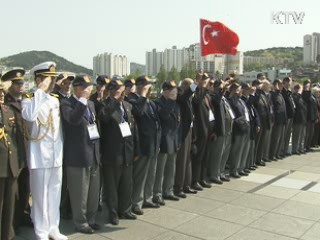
{"points": [[28, 95], [54, 95]]}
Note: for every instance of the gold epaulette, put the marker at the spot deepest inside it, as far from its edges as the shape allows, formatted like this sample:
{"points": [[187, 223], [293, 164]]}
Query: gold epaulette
{"points": [[54, 95], [28, 95]]}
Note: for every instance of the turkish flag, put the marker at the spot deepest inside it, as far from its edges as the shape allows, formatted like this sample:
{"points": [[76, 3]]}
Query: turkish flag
{"points": [[217, 38]]}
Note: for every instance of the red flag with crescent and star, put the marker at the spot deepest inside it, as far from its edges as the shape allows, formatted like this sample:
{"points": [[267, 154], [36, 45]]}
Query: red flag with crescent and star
{"points": [[217, 38]]}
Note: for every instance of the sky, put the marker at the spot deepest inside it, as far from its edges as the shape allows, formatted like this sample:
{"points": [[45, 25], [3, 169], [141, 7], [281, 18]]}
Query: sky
{"points": [[80, 29]]}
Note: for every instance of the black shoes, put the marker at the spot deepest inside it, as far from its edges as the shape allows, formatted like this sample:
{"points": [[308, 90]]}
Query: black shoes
{"points": [[114, 220], [158, 200], [189, 190], [136, 210], [150, 205], [171, 197], [128, 215], [261, 163], [204, 184], [225, 178], [85, 230], [235, 175], [243, 173], [247, 170], [180, 194], [196, 186], [95, 226], [215, 180]]}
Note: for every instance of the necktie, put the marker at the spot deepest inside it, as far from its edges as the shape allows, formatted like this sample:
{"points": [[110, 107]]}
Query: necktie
{"points": [[123, 113]]}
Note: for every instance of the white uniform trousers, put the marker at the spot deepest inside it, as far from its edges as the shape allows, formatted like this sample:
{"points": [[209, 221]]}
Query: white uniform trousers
{"points": [[45, 185]]}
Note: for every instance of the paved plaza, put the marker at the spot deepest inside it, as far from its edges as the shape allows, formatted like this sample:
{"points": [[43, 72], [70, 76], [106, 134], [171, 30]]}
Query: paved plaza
{"points": [[280, 201]]}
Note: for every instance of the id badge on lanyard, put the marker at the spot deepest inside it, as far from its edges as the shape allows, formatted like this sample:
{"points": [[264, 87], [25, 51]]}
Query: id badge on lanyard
{"points": [[211, 116], [125, 129], [93, 131]]}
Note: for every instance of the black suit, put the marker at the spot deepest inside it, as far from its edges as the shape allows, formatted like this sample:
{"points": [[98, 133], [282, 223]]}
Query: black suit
{"points": [[183, 161], [169, 114], [280, 121], [203, 128], [149, 131], [290, 107], [299, 123], [65, 205], [240, 135], [76, 134], [262, 105], [117, 154], [82, 159], [312, 115], [254, 124]]}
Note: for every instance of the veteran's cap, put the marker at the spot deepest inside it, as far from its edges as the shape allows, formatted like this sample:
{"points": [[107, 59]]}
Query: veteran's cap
{"points": [[129, 82], [102, 80], [143, 80], [82, 80], [46, 69], [115, 85], [64, 76], [14, 75], [169, 85]]}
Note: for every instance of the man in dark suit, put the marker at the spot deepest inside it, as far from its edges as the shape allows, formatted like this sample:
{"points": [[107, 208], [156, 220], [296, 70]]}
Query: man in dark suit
{"points": [[203, 126], [216, 149], [262, 105], [130, 89], [247, 93], [149, 129], [299, 121], [311, 113], [13, 99], [240, 134], [117, 128], [81, 155], [101, 93], [63, 85], [169, 114], [63, 89], [10, 167], [280, 121], [290, 108], [183, 161]]}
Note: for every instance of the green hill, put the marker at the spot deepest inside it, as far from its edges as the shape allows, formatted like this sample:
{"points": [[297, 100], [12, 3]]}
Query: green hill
{"points": [[29, 59], [278, 52]]}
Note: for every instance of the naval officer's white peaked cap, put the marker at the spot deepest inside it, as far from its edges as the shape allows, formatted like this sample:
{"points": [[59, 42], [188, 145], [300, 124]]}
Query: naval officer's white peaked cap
{"points": [[46, 69]]}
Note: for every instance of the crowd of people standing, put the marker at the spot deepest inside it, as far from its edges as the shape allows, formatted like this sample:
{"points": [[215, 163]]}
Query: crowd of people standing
{"points": [[79, 148]]}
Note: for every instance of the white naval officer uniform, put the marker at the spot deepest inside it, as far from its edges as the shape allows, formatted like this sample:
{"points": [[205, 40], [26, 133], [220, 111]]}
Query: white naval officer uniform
{"points": [[45, 162]]}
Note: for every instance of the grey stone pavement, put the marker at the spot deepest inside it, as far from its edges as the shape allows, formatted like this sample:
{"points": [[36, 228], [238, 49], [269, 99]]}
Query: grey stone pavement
{"points": [[280, 201]]}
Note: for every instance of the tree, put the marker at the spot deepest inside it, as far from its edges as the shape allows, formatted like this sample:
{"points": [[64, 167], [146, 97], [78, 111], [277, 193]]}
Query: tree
{"points": [[218, 75], [162, 76], [174, 74], [188, 71]]}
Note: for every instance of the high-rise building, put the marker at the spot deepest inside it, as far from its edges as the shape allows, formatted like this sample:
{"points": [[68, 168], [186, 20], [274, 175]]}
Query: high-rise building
{"points": [[178, 58], [311, 48], [110, 65]]}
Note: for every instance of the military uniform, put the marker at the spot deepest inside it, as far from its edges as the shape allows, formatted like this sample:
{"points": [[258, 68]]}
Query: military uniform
{"points": [[41, 111], [9, 170], [22, 215]]}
